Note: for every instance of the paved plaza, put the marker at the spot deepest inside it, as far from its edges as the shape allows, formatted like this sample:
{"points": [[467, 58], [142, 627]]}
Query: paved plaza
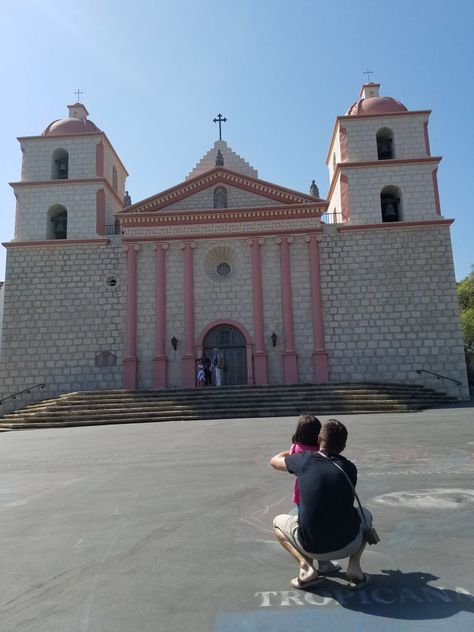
{"points": [[167, 527]]}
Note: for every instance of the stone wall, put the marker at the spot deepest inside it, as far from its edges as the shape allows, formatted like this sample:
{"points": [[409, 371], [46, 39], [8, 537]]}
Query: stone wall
{"points": [[33, 204], [59, 313], [408, 136], [390, 305], [415, 183], [37, 162]]}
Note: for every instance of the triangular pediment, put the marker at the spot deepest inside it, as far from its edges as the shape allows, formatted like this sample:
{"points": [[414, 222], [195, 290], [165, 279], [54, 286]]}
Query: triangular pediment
{"points": [[180, 197]]}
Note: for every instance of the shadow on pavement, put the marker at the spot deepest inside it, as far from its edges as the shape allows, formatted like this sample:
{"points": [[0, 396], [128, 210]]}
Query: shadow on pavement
{"points": [[397, 595]]}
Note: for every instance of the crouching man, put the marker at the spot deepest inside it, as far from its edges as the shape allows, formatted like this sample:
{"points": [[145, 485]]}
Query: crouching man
{"points": [[328, 526]]}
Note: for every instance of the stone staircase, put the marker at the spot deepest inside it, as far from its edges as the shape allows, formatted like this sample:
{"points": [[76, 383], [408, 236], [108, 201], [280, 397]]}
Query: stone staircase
{"points": [[88, 408]]}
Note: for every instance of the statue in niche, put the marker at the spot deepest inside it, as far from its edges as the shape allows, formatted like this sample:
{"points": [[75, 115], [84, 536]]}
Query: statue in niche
{"points": [[313, 190], [127, 200], [220, 197], [219, 159]]}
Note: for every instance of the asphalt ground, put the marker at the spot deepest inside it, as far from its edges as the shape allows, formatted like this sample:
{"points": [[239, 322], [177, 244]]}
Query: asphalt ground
{"points": [[167, 527]]}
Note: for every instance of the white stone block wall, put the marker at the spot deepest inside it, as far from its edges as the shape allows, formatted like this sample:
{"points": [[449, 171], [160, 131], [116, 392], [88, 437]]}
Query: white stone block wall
{"points": [[146, 310], [236, 198], [38, 152], [272, 308], [174, 311], [335, 204], [59, 312], [110, 161], [220, 298], [334, 156], [34, 202], [232, 161], [414, 181], [302, 311], [390, 306], [111, 207], [408, 136]]}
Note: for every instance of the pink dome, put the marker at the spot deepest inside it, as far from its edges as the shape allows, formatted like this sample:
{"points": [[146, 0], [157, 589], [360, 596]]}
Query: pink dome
{"points": [[69, 126], [376, 105]]}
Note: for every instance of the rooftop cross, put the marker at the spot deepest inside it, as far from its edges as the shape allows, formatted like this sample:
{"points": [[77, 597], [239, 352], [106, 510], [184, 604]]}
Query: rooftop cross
{"points": [[368, 73], [78, 92], [220, 119]]}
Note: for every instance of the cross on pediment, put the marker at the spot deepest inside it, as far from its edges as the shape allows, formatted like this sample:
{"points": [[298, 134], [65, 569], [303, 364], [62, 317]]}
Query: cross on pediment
{"points": [[220, 119]]}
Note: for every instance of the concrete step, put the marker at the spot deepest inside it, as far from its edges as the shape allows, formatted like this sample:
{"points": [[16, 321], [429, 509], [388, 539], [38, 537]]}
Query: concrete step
{"points": [[119, 406]]}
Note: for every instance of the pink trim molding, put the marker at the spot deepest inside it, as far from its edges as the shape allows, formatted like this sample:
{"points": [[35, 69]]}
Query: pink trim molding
{"points": [[100, 212], [345, 200], [189, 359], [160, 359], [427, 138], [395, 225], [66, 183], [260, 357], [320, 356], [99, 159], [343, 143], [436, 191], [55, 243], [242, 329], [290, 366], [130, 360]]}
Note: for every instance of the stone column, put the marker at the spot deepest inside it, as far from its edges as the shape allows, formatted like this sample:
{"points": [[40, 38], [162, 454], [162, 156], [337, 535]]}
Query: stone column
{"points": [[260, 357], [320, 356], [130, 360], [160, 360], [189, 360], [290, 367]]}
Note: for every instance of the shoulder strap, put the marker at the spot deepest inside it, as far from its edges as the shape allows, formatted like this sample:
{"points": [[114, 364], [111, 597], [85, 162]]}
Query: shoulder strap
{"points": [[350, 483]]}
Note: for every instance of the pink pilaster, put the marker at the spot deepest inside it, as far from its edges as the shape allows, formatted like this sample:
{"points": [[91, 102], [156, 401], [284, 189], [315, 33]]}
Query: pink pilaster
{"points": [[260, 357], [427, 138], [343, 143], [320, 356], [189, 369], [345, 202], [130, 361], [100, 212], [99, 159], [290, 367], [159, 360], [436, 192]]}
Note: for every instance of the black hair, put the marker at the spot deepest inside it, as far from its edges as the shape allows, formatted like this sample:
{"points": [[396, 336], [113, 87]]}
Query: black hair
{"points": [[307, 430], [334, 435]]}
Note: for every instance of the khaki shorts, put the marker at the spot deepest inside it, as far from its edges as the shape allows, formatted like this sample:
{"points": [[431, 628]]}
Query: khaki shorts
{"points": [[288, 525]]}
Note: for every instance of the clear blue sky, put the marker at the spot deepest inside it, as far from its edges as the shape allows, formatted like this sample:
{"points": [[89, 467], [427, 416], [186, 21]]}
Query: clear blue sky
{"points": [[154, 73]]}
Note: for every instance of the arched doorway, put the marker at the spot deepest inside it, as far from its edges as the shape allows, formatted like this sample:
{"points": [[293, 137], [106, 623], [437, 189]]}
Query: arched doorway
{"points": [[231, 343]]}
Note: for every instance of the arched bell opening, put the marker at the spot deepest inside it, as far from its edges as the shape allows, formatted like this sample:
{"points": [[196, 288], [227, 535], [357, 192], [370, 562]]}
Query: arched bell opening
{"points": [[57, 222], [390, 202], [60, 166], [385, 146]]}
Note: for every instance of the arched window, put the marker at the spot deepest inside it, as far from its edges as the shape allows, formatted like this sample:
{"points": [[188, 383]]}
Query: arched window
{"points": [[57, 222], [114, 178], [60, 167], [117, 227], [385, 144], [220, 197], [390, 202]]}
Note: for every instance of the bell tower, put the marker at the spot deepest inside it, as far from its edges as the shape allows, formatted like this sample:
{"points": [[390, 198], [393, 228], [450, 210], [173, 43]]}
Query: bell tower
{"points": [[72, 182], [380, 165]]}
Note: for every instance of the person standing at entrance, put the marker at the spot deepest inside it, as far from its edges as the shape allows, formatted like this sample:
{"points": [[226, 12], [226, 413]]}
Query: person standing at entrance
{"points": [[217, 363], [207, 368]]}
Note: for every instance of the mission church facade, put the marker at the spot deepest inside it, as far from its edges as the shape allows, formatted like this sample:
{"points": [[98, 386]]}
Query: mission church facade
{"points": [[104, 294]]}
